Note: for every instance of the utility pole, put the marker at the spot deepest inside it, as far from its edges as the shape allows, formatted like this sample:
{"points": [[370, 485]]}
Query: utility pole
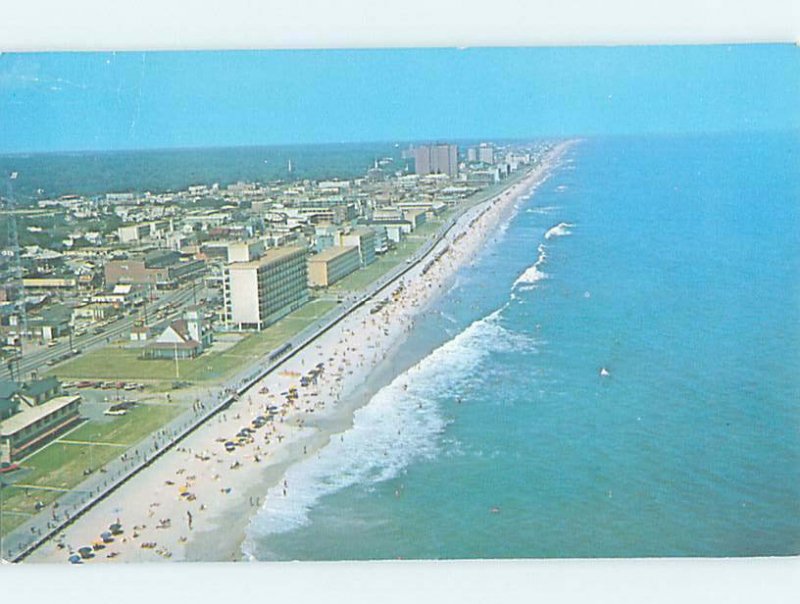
{"points": [[144, 306], [177, 366], [2, 485], [17, 276]]}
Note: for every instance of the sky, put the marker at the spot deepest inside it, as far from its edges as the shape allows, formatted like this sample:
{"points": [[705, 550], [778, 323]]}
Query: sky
{"points": [[111, 101]]}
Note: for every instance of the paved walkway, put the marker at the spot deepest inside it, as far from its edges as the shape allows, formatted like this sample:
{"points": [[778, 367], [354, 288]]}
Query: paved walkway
{"points": [[38, 487], [93, 442]]}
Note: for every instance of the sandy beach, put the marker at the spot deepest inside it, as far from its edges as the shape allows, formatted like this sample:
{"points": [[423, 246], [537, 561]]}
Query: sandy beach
{"points": [[195, 502]]}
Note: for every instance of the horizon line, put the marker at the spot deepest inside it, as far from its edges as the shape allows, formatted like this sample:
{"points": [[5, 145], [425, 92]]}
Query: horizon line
{"points": [[430, 140]]}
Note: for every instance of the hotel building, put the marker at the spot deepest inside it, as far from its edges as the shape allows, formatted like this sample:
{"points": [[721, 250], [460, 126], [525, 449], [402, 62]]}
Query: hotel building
{"points": [[260, 292], [436, 159], [364, 240], [327, 267]]}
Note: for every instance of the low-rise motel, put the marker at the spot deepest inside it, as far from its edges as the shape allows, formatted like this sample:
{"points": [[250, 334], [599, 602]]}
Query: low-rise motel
{"points": [[32, 414]]}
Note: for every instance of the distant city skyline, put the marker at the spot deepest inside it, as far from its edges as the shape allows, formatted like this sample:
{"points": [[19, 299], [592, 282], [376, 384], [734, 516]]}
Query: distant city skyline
{"points": [[58, 102]]}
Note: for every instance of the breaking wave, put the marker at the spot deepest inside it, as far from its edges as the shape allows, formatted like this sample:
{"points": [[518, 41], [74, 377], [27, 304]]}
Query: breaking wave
{"points": [[560, 230], [533, 273], [543, 210], [401, 424]]}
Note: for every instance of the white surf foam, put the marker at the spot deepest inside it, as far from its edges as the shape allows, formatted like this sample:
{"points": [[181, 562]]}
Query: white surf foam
{"points": [[543, 210], [533, 273], [560, 230], [400, 424]]}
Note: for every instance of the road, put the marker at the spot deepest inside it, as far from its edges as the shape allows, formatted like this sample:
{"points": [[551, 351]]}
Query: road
{"points": [[121, 327]]}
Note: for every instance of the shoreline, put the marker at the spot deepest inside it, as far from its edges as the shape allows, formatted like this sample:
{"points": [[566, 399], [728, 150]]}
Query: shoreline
{"points": [[202, 499]]}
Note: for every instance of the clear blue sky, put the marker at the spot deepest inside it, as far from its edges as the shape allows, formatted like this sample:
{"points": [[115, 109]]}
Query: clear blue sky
{"points": [[78, 101]]}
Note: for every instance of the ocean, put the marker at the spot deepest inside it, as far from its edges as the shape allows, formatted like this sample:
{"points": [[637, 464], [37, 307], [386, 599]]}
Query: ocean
{"points": [[672, 263]]}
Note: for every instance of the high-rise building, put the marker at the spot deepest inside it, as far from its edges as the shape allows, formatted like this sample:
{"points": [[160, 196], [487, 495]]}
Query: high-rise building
{"points": [[436, 159], [260, 292], [483, 153], [486, 153]]}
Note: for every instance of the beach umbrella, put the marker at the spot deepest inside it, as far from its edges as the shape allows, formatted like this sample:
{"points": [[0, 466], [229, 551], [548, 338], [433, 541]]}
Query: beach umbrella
{"points": [[85, 552], [74, 559], [115, 528], [106, 537]]}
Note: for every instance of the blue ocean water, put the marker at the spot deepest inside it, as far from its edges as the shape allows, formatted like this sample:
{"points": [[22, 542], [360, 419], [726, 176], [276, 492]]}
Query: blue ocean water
{"points": [[674, 263]]}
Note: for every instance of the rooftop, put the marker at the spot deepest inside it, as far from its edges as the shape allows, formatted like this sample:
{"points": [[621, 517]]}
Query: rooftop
{"points": [[161, 259], [54, 315], [8, 389], [361, 232], [332, 252], [38, 387], [270, 256], [30, 416]]}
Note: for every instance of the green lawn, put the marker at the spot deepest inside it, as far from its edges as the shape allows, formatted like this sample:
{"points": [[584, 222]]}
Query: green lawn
{"points": [[12, 517], [362, 278], [127, 429], [58, 465], [61, 464], [427, 229], [258, 344], [117, 363]]}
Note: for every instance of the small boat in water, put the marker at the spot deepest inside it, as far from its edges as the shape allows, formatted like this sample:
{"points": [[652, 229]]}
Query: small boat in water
{"points": [[604, 372]]}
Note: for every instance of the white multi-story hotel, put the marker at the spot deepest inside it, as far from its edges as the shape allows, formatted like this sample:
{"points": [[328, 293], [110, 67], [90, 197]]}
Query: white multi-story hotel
{"points": [[260, 292]]}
